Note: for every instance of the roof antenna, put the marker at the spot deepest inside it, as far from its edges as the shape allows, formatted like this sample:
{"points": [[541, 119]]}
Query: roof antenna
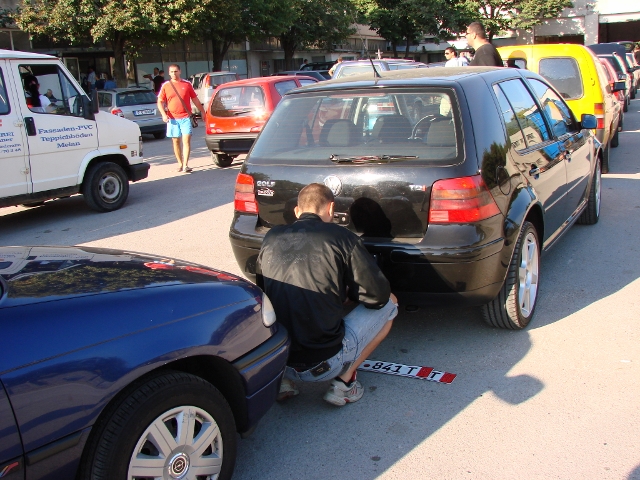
{"points": [[376, 74]]}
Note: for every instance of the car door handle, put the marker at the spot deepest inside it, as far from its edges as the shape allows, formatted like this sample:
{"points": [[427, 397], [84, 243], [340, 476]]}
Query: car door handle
{"points": [[31, 126]]}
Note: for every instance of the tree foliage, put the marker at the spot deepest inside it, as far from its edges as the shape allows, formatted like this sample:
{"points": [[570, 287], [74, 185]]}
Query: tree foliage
{"points": [[501, 15], [127, 24], [405, 21], [235, 21], [316, 23]]}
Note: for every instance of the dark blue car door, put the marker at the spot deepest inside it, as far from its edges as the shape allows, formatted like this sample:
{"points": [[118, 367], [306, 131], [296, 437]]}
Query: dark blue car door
{"points": [[11, 460]]}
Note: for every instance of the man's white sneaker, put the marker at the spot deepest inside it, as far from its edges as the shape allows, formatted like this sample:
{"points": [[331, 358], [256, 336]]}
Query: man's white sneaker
{"points": [[288, 389], [339, 394]]}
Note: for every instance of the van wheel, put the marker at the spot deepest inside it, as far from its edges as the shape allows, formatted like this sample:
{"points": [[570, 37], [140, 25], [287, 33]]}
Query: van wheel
{"points": [[514, 306], [105, 187], [222, 159], [160, 135], [175, 425], [591, 214]]}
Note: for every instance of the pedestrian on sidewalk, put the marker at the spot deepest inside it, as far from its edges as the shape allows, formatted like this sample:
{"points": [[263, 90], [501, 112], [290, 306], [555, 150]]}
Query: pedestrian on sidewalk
{"points": [[486, 54], [174, 102]]}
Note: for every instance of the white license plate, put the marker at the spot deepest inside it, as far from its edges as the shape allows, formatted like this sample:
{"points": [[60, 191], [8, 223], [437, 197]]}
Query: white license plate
{"points": [[412, 371], [148, 111]]}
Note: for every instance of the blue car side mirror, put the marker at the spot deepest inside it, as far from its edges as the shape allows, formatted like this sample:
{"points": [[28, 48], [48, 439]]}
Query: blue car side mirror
{"points": [[588, 121]]}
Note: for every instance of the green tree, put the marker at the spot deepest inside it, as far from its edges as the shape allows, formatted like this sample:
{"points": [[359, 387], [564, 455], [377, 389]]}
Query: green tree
{"points": [[6, 18], [500, 15], [235, 21], [316, 23], [127, 24], [405, 21]]}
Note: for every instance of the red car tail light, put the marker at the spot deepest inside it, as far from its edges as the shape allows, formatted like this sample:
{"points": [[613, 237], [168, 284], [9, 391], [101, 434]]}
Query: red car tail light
{"points": [[118, 112], [255, 129], [461, 200], [598, 111], [245, 198], [212, 129]]}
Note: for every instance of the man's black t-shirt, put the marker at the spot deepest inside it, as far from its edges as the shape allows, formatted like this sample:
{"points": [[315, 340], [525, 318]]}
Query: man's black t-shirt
{"points": [[487, 56], [157, 83]]}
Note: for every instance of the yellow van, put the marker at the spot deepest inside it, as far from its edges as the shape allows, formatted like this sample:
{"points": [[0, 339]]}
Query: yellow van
{"points": [[580, 78]]}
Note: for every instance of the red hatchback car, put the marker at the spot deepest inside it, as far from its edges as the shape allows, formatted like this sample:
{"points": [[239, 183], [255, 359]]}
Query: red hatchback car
{"points": [[238, 111], [612, 77]]}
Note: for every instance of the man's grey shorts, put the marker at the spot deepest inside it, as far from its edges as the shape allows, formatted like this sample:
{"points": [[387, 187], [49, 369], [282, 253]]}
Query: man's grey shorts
{"points": [[361, 326]]}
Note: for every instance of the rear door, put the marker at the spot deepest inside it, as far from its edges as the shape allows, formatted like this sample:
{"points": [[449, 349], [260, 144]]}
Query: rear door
{"points": [[577, 143], [539, 157], [13, 159]]}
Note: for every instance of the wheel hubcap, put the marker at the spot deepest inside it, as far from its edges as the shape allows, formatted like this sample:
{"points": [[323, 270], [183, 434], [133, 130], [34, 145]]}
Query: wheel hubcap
{"points": [[528, 275], [109, 188], [184, 442]]}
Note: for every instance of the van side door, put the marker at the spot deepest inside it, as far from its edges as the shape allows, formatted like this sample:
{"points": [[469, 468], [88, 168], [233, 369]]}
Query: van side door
{"points": [[58, 135], [13, 150], [535, 153]]}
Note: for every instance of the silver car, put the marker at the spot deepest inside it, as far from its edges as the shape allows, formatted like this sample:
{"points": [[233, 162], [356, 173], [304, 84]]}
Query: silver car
{"points": [[205, 83], [136, 104]]}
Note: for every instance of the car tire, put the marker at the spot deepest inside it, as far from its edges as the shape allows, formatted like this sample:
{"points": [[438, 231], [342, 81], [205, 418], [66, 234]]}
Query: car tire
{"points": [[627, 101], [160, 135], [221, 159], [632, 94], [515, 305], [606, 150], [615, 140], [105, 187], [144, 429], [591, 214]]}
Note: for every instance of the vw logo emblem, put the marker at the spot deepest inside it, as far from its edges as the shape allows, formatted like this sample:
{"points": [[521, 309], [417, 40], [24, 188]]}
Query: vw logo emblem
{"points": [[334, 184]]}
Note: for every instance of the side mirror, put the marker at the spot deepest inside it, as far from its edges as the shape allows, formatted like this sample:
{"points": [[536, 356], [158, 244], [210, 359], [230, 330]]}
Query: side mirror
{"points": [[87, 108], [618, 87], [588, 121]]}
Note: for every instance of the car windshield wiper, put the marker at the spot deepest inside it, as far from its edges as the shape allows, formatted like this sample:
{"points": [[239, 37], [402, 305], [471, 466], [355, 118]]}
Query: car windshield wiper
{"points": [[372, 158], [240, 112]]}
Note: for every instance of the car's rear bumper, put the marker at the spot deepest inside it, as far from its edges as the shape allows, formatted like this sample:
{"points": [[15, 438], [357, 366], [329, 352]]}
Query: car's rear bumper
{"points": [[230, 143], [262, 370], [471, 275]]}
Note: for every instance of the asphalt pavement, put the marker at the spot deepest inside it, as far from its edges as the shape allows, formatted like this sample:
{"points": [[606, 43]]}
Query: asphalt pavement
{"points": [[558, 400]]}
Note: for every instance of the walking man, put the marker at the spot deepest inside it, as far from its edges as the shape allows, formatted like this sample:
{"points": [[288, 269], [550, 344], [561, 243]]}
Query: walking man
{"points": [[174, 105], [310, 270], [453, 60], [486, 54]]}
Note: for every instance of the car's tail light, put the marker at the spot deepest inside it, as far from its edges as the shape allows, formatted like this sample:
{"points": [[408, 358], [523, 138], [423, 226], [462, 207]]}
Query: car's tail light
{"points": [[255, 129], [211, 128], [245, 198], [598, 110], [118, 112], [207, 81], [461, 200]]}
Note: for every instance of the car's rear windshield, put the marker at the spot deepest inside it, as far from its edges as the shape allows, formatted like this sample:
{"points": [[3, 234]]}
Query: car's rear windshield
{"points": [[142, 97], [215, 80], [364, 126], [614, 63], [236, 101], [564, 74], [357, 70]]}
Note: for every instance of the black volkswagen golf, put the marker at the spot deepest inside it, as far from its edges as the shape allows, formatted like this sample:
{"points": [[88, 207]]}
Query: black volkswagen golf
{"points": [[456, 179]]}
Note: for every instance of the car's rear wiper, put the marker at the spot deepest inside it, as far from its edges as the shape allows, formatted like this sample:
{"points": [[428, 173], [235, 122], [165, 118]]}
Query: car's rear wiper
{"points": [[372, 158], [240, 112]]}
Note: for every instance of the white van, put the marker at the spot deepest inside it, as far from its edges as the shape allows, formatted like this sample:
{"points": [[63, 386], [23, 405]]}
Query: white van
{"points": [[64, 146]]}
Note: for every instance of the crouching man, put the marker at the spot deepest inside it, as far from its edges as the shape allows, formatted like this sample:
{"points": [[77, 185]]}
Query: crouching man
{"points": [[310, 270]]}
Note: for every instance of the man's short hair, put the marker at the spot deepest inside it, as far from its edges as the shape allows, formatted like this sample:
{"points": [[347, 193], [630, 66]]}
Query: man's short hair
{"points": [[175, 65], [452, 50], [161, 71], [314, 198], [478, 29]]}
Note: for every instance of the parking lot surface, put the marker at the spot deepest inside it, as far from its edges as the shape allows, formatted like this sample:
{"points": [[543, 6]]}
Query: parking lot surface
{"points": [[556, 400]]}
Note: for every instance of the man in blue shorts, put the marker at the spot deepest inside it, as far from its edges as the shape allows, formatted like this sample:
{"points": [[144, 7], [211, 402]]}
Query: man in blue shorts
{"points": [[174, 103], [310, 270]]}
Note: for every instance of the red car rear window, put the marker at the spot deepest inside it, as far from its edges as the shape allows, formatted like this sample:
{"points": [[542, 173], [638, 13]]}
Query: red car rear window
{"points": [[236, 101]]}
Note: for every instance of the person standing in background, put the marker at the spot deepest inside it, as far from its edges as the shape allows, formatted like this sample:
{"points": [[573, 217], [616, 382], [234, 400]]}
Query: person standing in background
{"points": [[453, 60], [486, 54]]}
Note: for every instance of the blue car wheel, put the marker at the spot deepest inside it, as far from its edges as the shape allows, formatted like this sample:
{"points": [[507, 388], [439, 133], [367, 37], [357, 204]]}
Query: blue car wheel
{"points": [[175, 425]]}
